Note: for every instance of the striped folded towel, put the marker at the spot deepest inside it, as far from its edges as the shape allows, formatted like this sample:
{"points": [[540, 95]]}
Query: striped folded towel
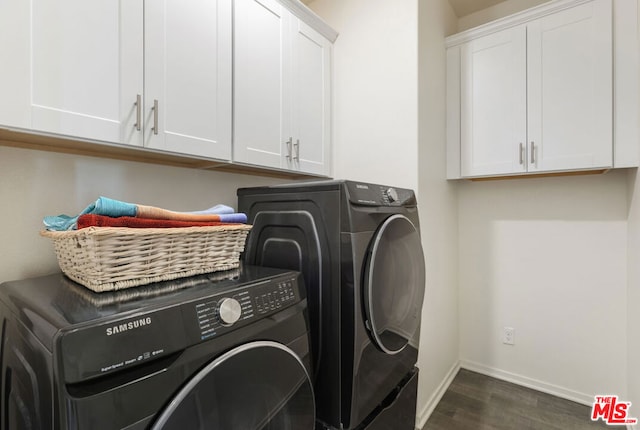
{"points": [[113, 208]]}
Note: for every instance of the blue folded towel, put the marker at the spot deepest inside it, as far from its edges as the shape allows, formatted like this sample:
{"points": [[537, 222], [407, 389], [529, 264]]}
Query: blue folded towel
{"points": [[234, 218], [102, 206]]}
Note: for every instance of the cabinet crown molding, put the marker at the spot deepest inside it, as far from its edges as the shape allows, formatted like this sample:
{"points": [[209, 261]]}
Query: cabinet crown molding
{"points": [[308, 16], [513, 20]]}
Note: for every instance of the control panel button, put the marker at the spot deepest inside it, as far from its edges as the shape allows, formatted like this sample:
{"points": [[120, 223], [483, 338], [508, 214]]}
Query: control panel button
{"points": [[391, 194], [229, 311]]}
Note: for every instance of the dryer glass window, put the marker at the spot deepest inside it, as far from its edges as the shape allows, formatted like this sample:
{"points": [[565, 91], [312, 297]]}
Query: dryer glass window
{"points": [[257, 386], [394, 284]]}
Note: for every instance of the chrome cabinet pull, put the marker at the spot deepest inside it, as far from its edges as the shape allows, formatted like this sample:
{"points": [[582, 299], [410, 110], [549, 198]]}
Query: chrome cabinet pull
{"points": [[533, 152], [288, 142], [155, 117], [138, 105], [521, 153], [297, 148]]}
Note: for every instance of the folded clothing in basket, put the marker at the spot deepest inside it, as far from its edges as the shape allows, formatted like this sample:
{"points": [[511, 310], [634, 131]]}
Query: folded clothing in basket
{"points": [[114, 208], [218, 213], [93, 220]]}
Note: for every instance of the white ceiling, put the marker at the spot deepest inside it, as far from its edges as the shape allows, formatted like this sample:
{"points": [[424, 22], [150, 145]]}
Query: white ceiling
{"points": [[466, 7]]}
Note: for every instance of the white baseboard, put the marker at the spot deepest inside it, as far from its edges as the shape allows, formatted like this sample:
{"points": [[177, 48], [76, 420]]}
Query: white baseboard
{"points": [[535, 384], [426, 411]]}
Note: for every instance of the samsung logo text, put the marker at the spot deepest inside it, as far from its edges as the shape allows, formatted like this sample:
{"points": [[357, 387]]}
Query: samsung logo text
{"points": [[131, 325]]}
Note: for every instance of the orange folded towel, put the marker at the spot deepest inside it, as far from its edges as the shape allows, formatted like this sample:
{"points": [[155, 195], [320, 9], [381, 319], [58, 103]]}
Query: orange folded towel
{"points": [[153, 212]]}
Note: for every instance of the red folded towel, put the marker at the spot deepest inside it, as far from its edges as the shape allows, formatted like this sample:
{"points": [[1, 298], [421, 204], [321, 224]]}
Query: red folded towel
{"points": [[93, 220]]}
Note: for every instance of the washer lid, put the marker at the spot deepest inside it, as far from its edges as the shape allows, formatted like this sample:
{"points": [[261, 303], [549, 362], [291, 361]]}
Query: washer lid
{"points": [[257, 386], [394, 284]]}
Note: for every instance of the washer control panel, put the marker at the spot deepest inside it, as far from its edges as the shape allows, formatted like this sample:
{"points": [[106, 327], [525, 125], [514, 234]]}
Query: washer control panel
{"points": [[379, 195], [220, 313], [174, 321], [277, 298]]}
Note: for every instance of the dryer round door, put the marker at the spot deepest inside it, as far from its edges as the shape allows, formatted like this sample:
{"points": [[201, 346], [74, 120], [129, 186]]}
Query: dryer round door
{"points": [[257, 386], [394, 283]]}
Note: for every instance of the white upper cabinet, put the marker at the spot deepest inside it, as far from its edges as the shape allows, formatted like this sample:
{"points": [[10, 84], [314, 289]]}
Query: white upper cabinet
{"points": [[15, 76], [311, 100], [570, 89], [95, 70], [538, 92], [188, 72], [282, 87], [75, 68], [262, 64], [494, 107], [159, 74]]}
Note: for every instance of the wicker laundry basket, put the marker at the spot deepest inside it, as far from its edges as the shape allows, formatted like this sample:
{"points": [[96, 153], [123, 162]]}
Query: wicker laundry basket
{"points": [[114, 258]]}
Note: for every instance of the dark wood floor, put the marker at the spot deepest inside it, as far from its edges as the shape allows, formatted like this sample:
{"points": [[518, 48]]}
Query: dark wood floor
{"points": [[477, 402]]}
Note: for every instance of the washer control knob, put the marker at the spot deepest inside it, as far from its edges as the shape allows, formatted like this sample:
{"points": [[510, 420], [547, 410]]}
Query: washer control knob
{"points": [[391, 194], [229, 311]]}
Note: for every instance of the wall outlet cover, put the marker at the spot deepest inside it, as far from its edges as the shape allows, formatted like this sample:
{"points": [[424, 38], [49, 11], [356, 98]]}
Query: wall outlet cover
{"points": [[508, 336]]}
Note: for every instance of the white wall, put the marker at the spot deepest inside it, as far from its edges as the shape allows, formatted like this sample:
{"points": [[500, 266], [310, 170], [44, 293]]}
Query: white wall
{"points": [[438, 212], [633, 291], [548, 258], [375, 102], [389, 127], [633, 295], [35, 183]]}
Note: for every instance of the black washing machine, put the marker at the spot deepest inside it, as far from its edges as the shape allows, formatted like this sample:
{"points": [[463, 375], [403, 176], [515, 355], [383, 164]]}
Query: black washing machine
{"points": [[358, 247], [220, 351]]}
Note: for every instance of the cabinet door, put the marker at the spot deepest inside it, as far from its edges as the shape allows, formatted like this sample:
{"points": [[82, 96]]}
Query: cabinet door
{"points": [[84, 69], [311, 100], [493, 97], [262, 94], [570, 89], [15, 44], [188, 76]]}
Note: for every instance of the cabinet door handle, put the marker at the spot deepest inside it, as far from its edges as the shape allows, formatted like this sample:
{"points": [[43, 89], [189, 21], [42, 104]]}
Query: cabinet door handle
{"points": [[288, 142], [521, 153], [138, 105], [155, 117], [297, 148], [533, 152]]}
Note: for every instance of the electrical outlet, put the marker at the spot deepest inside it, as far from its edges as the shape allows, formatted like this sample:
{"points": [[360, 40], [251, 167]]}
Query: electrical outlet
{"points": [[508, 336]]}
